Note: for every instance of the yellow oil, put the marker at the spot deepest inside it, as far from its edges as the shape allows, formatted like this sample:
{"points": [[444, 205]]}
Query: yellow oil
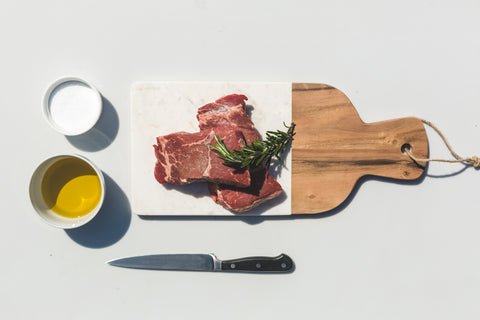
{"points": [[71, 188]]}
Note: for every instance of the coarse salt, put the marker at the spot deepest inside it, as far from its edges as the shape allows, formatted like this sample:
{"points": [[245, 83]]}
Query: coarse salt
{"points": [[74, 107]]}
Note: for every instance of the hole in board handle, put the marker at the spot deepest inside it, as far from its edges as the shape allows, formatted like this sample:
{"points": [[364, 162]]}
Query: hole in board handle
{"points": [[405, 147]]}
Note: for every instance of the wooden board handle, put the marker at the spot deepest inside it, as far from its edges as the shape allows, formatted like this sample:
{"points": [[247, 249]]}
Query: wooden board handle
{"points": [[333, 148]]}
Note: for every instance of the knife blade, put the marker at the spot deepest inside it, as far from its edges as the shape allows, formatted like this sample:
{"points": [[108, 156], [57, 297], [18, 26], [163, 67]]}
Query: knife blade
{"points": [[205, 262]]}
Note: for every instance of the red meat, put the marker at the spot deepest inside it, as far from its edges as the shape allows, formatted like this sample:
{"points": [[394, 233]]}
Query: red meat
{"points": [[230, 111], [184, 158]]}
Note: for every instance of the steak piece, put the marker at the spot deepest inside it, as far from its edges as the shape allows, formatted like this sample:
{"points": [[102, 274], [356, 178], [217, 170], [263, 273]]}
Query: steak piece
{"points": [[262, 188], [184, 158], [230, 111]]}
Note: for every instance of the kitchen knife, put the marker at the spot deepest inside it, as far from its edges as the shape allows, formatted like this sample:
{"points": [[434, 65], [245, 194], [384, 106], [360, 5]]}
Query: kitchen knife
{"points": [[205, 262]]}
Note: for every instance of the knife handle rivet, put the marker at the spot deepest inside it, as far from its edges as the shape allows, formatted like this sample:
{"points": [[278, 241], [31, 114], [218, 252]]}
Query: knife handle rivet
{"points": [[233, 266], [284, 265], [258, 265]]}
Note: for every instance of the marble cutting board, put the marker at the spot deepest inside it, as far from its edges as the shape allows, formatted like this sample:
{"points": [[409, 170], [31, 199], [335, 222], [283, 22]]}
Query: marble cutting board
{"points": [[160, 108]]}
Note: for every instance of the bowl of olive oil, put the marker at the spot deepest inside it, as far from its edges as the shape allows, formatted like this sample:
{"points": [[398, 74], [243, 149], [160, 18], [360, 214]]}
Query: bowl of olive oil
{"points": [[67, 191]]}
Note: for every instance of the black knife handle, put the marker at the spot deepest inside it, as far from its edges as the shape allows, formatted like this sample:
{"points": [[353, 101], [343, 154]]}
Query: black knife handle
{"points": [[281, 263]]}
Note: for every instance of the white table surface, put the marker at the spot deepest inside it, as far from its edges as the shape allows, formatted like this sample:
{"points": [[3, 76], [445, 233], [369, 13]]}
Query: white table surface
{"points": [[395, 251]]}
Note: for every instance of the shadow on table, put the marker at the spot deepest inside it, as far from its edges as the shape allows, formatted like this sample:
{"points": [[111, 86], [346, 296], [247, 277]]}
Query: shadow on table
{"points": [[102, 134], [110, 224]]}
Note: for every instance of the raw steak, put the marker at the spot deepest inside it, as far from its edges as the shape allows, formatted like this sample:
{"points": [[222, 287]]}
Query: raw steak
{"points": [[186, 157], [262, 188], [230, 111]]}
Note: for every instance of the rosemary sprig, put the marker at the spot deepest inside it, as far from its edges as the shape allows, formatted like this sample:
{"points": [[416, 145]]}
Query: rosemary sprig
{"points": [[257, 152]]}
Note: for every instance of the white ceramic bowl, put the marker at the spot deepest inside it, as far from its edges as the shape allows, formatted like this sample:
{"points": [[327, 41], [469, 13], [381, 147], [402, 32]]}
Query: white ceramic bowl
{"points": [[72, 106], [43, 209]]}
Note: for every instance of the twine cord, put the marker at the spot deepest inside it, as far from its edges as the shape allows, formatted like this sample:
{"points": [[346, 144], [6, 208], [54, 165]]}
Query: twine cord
{"points": [[473, 161]]}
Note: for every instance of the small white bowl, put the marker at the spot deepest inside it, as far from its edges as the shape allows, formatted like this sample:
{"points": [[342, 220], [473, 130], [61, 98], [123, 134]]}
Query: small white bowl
{"points": [[72, 106], [43, 209]]}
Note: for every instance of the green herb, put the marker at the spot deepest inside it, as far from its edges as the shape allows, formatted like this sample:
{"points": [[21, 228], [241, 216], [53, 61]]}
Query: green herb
{"points": [[257, 152]]}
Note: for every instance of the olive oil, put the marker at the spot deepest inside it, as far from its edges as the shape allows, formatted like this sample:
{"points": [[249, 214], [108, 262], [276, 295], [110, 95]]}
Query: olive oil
{"points": [[71, 188]]}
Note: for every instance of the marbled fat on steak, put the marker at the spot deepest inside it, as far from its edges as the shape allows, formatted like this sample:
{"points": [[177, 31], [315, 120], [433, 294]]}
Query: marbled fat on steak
{"points": [[184, 158], [230, 111]]}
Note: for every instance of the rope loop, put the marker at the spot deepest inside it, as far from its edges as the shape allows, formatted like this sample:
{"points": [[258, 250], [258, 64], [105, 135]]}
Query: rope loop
{"points": [[473, 161]]}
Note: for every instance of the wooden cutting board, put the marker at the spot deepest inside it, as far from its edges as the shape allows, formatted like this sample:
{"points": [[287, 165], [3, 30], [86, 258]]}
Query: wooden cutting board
{"points": [[332, 148]]}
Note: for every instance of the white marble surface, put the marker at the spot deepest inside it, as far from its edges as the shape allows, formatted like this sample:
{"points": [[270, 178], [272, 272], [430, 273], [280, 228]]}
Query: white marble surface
{"points": [[393, 251], [160, 108]]}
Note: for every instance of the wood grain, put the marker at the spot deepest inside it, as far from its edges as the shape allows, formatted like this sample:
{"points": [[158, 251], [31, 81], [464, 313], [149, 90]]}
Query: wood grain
{"points": [[333, 148]]}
